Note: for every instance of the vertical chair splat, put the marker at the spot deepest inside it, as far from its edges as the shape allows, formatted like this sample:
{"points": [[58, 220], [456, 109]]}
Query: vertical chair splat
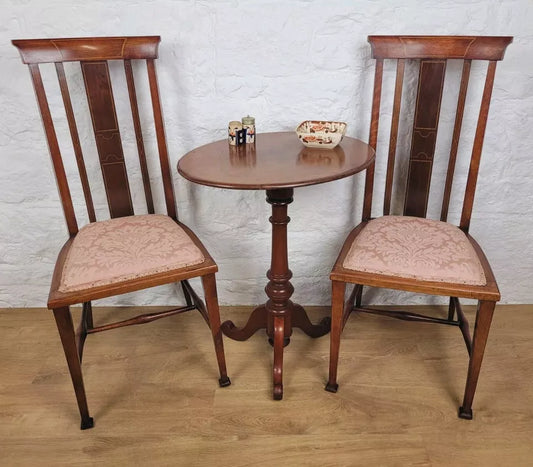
{"points": [[75, 140], [400, 68], [455, 139], [478, 146], [138, 135], [107, 134], [425, 126], [161, 141], [373, 139], [53, 146]]}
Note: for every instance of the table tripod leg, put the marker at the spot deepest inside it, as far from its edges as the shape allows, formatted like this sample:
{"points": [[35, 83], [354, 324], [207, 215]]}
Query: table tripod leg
{"points": [[301, 320], [277, 373], [257, 320]]}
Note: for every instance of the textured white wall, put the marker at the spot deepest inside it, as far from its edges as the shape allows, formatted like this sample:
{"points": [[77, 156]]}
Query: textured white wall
{"points": [[282, 62]]}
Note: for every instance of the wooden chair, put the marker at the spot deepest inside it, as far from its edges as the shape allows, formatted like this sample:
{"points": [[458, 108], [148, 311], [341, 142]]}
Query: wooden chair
{"points": [[127, 252], [410, 252]]}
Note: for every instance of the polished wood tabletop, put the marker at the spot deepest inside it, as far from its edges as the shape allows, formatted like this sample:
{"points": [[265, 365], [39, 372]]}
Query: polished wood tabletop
{"points": [[276, 160]]}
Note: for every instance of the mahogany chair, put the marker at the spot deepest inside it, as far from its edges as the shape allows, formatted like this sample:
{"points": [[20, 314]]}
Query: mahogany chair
{"points": [[410, 252], [126, 252]]}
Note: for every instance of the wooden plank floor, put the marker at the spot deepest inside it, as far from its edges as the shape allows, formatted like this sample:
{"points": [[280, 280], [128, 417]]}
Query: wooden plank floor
{"points": [[154, 395]]}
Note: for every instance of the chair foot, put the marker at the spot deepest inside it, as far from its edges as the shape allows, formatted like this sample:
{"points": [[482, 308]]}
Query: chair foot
{"points": [[224, 382], [332, 387], [465, 414], [86, 424]]}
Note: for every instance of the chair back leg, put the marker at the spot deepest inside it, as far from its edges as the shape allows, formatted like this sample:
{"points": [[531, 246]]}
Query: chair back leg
{"points": [[186, 294], [359, 296], [485, 310], [211, 303], [68, 339], [88, 310], [451, 309]]}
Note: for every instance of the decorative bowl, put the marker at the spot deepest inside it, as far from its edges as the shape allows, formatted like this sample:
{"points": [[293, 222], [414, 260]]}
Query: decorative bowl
{"points": [[321, 134]]}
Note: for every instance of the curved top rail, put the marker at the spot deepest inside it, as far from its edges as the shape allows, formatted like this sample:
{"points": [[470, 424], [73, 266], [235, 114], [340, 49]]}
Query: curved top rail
{"points": [[87, 49], [465, 47]]}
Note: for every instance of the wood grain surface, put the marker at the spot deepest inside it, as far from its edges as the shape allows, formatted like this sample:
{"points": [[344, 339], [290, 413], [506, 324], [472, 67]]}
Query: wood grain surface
{"points": [[156, 401]]}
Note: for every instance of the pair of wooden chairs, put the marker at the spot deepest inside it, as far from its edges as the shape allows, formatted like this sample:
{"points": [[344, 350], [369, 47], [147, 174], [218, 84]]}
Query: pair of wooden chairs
{"points": [[131, 252]]}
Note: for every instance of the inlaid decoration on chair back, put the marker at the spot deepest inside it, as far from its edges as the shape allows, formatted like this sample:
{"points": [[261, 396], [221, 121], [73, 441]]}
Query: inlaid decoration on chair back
{"points": [[94, 53], [432, 52]]}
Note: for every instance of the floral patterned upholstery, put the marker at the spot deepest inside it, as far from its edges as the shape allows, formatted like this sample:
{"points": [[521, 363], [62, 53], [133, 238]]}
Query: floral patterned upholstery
{"points": [[125, 248], [413, 247]]}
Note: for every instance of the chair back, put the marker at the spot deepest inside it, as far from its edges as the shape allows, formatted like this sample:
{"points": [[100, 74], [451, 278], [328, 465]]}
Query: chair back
{"points": [[93, 55], [432, 53]]}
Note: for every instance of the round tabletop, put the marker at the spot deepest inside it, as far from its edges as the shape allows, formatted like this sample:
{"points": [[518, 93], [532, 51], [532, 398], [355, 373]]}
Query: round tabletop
{"points": [[276, 160]]}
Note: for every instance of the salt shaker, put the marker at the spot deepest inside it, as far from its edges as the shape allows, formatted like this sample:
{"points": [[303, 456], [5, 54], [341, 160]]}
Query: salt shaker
{"points": [[248, 123]]}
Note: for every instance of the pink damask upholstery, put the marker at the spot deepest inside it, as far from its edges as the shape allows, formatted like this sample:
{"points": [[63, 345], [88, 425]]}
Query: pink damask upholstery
{"points": [[417, 248], [125, 248]]}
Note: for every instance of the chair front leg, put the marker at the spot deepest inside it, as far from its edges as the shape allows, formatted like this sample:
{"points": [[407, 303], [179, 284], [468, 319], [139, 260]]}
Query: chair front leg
{"points": [[485, 310], [68, 339], [337, 311], [211, 302]]}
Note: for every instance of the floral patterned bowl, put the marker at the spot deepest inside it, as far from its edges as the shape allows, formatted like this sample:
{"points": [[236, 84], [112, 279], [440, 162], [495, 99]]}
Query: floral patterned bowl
{"points": [[321, 134]]}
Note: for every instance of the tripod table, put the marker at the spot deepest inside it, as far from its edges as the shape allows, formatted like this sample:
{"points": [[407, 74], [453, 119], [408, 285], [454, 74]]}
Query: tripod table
{"points": [[277, 163]]}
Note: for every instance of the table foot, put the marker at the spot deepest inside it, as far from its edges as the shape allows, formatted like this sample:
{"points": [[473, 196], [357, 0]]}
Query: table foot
{"points": [[301, 320], [257, 320]]}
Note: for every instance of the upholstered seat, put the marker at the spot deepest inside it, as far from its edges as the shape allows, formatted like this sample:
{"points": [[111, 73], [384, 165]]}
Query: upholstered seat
{"points": [[124, 248], [416, 248]]}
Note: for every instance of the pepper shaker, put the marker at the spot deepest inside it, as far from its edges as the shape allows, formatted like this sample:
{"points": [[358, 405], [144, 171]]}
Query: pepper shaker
{"points": [[249, 124]]}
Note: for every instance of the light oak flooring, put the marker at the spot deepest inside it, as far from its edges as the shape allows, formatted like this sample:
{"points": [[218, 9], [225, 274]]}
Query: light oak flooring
{"points": [[153, 392]]}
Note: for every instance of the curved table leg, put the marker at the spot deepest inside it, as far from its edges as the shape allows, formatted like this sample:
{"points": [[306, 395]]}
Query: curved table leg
{"points": [[277, 370], [257, 320], [301, 320]]}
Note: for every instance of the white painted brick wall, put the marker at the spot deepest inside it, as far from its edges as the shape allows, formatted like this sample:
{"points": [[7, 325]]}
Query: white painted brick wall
{"points": [[282, 62]]}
